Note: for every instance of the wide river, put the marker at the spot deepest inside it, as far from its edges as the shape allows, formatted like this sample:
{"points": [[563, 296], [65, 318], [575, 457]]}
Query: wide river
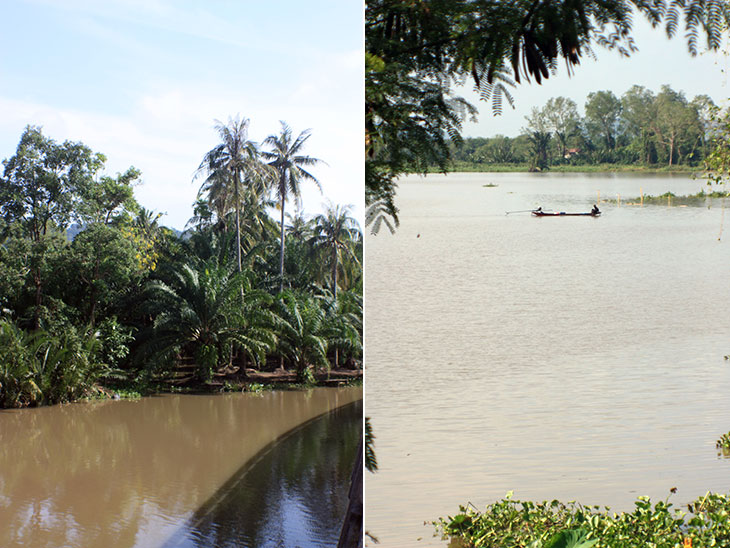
{"points": [[574, 358], [179, 470]]}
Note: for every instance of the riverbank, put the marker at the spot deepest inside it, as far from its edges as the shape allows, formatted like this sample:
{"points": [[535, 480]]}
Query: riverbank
{"points": [[254, 380], [467, 167]]}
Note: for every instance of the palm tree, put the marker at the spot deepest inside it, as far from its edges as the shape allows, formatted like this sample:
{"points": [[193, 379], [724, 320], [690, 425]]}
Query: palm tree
{"points": [[337, 234], [198, 311], [303, 337], [300, 228], [343, 323], [286, 159], [148, 222], [233, 162]]}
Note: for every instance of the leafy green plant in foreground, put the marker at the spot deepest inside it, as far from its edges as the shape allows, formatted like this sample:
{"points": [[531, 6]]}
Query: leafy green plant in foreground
{"points": [[510, 523]]}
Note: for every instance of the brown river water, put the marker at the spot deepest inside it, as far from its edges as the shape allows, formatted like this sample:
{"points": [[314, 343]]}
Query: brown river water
{"points": [[574, 358], [137, 473]]}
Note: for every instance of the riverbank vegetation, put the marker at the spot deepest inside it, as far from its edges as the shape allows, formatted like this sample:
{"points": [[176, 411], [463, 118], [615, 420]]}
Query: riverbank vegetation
{"points": [[468, 167], [671, 199], [510, 523], [95, 292], [640, 131]]}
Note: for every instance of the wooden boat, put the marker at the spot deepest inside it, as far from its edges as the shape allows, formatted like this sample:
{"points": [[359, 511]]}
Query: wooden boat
{"points": [[539, 213]]}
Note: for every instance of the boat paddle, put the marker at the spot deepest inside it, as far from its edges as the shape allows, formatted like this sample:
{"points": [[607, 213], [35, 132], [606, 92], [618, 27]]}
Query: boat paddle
{"points": [[521, 211]]}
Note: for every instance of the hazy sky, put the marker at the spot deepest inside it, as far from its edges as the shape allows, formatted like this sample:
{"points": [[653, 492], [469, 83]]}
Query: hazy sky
{"points": [[143, 82], [659, 61]]}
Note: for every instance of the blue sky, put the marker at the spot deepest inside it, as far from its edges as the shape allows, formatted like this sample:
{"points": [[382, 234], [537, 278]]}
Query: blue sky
{"points": [[143, 82], [659, 61]]}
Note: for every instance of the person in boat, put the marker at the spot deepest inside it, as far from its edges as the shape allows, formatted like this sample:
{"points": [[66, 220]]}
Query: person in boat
{"points": [[538, 210], [595, 210]]}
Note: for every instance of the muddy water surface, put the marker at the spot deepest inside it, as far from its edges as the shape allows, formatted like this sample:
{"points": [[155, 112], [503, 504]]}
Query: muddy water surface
{"points": [[131, 473], [572, 358]]}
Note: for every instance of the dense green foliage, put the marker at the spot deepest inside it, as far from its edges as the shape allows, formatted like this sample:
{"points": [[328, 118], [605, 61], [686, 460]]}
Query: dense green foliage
{"points": [[417, 51], [510, 523], [94, 292], [43, 367], [640, 128]]}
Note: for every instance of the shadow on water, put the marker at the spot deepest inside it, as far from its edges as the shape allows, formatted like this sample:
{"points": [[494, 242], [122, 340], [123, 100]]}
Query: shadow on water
{"points": [[293, 493]]}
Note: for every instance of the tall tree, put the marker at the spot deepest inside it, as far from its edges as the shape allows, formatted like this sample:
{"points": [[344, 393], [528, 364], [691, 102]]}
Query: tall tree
{"points": [[288, 162], [638, 113], [336, 234], [603, 113], [561, 117], [101, 265], [109, 198], [539, 136], [41, 186], [674, 119], [44, 181], [232, 163], [706, 112]]}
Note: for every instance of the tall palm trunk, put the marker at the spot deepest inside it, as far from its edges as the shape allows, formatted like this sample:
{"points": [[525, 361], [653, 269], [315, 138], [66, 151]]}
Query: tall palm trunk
{"points": [[281, 256], [334, 291], [236, 184]]}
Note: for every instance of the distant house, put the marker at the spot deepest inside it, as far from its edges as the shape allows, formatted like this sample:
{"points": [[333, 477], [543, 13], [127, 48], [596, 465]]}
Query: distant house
{"points": [[571, 152]]}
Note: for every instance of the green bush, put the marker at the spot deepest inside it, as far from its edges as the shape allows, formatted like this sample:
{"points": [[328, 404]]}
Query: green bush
{"points": [[17, 371], [44, 368], [510, 523]]}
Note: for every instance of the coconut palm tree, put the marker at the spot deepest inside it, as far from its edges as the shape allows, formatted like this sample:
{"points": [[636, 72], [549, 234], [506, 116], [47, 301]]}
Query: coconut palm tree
{"points": [[336, 234], [235, 161], [288, 162], [300, 228]]}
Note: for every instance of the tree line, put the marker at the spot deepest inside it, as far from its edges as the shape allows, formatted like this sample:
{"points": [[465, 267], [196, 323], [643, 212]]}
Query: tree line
{"points": [[94, 290], [639, 128]]}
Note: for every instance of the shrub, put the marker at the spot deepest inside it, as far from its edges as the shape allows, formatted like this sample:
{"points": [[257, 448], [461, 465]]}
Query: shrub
{"points": [[511, 523], [45, 368]]}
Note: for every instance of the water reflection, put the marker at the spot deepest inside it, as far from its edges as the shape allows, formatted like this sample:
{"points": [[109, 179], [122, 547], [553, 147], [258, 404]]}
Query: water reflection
{"points": [[120, 474], [293, 494]]}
